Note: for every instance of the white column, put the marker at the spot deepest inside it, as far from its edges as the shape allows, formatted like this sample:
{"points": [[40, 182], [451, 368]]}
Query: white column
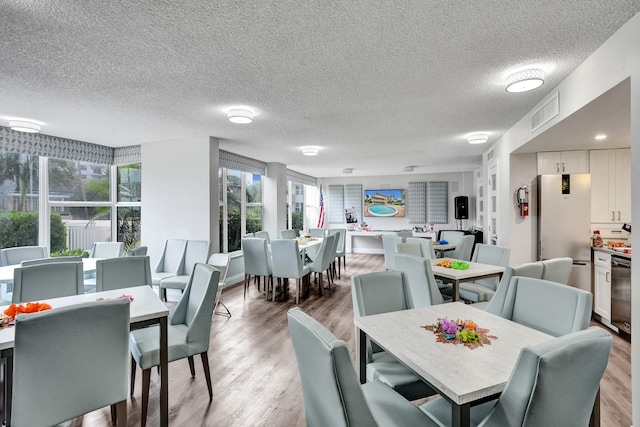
{"points": [[274, 199]]}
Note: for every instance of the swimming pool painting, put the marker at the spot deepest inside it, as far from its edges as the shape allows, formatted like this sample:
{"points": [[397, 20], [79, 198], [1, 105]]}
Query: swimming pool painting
{"points": [[384, 203]]}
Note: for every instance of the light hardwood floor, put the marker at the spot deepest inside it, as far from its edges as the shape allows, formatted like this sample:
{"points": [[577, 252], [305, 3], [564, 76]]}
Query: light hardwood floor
{"points": [[255, 374]]}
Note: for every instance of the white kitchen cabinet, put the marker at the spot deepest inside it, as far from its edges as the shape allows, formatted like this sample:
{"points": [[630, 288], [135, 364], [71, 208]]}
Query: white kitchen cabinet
{"points": [[563, 162], [610, 185], [602, 284]]}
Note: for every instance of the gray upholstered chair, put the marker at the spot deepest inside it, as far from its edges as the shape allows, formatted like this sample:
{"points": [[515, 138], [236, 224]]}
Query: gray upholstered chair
{"points": [[453, 237], [171, 262], [552, 384], [317, 232], [123, 272], [44, 281], [323, 261], [139, 251], [51, 260], [196, 251], [547, 306], [341, 246], [382, 292], [389, 246], [13, 256], [188, 332], [257, 261], [263, 235], [288, 263], [495, 304], [246, 235], [287, 234], [332, 394], [464, 248], [426, 246], [422, 283], [557, 270], [413, 249], [483, 290], [70, 361], [107, 250], [221, 263]]}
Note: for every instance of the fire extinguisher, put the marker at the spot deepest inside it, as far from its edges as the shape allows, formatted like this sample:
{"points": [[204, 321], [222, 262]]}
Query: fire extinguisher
{"points": [[523, 200]]}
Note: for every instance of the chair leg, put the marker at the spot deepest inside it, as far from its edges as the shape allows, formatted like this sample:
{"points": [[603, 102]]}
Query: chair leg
{"points": [[222, 313], [133, 374], [192, 367], [163, 294], [146, 380], [207, 373], [338, 267], [121, 413], [246, 284]]}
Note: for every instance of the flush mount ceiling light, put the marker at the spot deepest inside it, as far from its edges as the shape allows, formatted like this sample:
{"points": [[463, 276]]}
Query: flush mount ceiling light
{"points": [[407, 169], [601, 137], [524, 81], [347, 170], [24, 126], [310, 151], [240, 116], [478, 138]]}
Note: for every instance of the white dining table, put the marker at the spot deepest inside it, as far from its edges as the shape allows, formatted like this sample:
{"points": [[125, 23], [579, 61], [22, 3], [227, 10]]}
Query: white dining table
{"points": [[145, 309], [461, 375], [476, 271], [6, 271]]}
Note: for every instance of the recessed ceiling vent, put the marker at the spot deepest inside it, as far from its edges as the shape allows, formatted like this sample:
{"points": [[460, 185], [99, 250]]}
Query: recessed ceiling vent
{"points": [[547, 112]]}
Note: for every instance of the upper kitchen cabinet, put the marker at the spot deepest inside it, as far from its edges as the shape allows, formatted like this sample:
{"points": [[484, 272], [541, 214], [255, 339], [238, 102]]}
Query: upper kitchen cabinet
{"points": [[563, 162], [611, 185]]}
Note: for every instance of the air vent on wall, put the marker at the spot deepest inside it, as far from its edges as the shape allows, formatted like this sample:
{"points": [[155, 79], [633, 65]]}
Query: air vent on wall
{"points": [[547, 112]]}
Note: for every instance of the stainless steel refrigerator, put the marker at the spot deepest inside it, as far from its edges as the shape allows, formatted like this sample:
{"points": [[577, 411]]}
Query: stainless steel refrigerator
{"points": [[564, 222]]}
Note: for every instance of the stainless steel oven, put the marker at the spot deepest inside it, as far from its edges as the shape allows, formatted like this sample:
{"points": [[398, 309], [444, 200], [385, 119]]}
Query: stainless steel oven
{"points": [[621, 293]]}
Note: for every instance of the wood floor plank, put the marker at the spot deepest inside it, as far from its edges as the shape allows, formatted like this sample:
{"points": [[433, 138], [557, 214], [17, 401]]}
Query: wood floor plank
{"points": [[255, 373]]}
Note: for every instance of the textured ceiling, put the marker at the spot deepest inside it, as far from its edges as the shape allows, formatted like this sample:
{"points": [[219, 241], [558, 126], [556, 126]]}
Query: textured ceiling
{"points": [[377, 85]]}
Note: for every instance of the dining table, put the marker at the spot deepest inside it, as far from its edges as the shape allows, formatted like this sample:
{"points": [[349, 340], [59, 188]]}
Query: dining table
{"points": [[442, 248], [476, 271], [6, 271], [461, 374], [145, 309]]}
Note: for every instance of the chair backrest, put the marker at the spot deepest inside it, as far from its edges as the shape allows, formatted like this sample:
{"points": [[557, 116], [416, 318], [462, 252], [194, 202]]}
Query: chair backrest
{"points": [[331, 390], [107, 250], [123, 272], [287, 234], [257, 261], [554, 383], [325, 254], [453, 237], [249, 235], [409, 249], [13, 256], [389, 246], [490, 254], [426, 246], [547, 306], [529, 269], [70, 361], [197, 251], [422, 283], [220, 262], [195, 308], [557, 270], [172, 257], [405, 233], [139, 251], [263, 235], [342, 233], [464, 248], [286, 258], [51, 260], [317, 232], [44, 281]]}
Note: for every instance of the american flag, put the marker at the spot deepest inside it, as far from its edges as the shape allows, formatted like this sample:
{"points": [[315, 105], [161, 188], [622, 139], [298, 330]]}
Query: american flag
{"points": [[321, 214]]}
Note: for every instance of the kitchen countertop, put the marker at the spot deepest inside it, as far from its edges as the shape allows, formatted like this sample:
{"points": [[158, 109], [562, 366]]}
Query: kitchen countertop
{"points": [[612, 252]]}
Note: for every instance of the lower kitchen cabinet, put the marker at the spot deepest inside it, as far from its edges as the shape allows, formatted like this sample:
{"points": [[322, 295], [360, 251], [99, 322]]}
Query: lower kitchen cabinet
{"points": [[602, 284]]}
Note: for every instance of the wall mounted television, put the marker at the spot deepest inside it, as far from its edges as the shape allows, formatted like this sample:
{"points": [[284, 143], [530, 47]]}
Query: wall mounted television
{"points": [[384, 203]]}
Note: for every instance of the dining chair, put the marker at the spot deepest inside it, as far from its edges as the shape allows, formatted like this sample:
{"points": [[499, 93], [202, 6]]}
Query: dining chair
{"points": [[196, 251], [552, 384], [405, 233], [422, 283], [453, 237], [263, 235], [171, 262], [322, 262], [389, 246], [248, 235], [557, 269], [139, 251], [426, 246], [547, 306], [69, 361], [107, 250], [332, 394], [383, 292], [495, 304], [483, 290], [123, 272], [221, 263], [44, 281], [189, 330], [341, 247], [317, 232], [287, 234], [288, 263], [13, 256], [51, 260], [464, 248], [257, 261], [413, 249]]}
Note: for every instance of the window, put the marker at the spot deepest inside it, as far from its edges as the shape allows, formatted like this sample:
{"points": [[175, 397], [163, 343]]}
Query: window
{"points": [[240, 207]]}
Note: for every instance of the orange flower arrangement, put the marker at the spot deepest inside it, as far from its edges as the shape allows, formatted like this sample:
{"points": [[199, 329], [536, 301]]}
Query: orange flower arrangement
{"points": [[30, 307]]}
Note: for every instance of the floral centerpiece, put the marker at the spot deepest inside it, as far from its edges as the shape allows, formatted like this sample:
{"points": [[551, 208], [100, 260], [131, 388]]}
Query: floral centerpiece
{"points": [[31, 307], [460, 331], [453, 263]]}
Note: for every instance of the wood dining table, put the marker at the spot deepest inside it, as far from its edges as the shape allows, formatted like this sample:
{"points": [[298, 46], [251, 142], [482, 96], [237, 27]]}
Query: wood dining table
{"points": [[476, 271], [145, 309]]}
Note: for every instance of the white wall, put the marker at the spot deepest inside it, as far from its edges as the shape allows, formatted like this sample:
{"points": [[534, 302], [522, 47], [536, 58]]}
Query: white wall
{"points": [[179, 192]]}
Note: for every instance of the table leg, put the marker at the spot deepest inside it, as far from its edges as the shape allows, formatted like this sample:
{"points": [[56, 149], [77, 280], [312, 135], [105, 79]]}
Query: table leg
{"points": [[460, 415], [361, 354], [456, 290], [164, 374]]}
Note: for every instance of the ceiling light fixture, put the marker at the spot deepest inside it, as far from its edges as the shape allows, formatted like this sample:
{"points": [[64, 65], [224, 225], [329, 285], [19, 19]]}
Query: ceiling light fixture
{"points": [[24, 126], [240, 116], [478, 138], [601, 137], [407, 169], [347, 170], [524, 81], [309, 151]]}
